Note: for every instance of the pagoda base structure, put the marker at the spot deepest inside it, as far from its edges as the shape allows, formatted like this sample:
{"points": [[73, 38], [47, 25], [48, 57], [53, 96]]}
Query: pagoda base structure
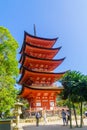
{"points": [[41, 98]]}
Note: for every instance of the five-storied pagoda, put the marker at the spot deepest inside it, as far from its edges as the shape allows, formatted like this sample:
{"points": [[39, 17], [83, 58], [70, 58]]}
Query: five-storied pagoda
{"points": [[37, 76]]}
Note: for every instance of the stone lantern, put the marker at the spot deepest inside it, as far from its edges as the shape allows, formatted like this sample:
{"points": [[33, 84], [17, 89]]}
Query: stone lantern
{"points": [[17, 113]]}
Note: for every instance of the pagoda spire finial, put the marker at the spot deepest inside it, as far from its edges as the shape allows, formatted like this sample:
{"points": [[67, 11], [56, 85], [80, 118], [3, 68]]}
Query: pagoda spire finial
{"points": [[34, 30]]}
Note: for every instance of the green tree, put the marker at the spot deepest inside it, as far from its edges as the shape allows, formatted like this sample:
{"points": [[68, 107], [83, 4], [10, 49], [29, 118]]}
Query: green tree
{"points": [[8, 70], [75, 88], [82, 94]]}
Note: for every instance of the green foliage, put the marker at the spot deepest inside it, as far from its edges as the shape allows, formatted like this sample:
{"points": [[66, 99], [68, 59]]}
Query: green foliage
{"points": [[25, 103], [75, 91], [8, 70], [75, 86], [7, 99]]}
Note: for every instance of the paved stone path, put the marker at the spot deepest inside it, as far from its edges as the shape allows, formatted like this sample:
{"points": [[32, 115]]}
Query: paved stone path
{"points": [[51, 127]]}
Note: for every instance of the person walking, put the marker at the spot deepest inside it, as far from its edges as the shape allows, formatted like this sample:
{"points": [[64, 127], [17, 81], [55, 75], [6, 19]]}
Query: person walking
{"points": [[37, 115], [63, 113], [45, 117], [67, 116]]}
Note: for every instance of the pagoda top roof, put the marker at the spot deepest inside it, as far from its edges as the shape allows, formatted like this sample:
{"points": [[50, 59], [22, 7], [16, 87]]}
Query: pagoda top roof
{"points": [[39, 52], [39, 41], [28, 91], [33, 63], [29, 77]]}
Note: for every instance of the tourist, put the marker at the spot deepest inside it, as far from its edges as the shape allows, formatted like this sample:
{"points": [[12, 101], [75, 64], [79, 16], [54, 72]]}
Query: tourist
{"points": [[68, 116], [45, 117], [37, 115], [63, 113], [86, 113]]}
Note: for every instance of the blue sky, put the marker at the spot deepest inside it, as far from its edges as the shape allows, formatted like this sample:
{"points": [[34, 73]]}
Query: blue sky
{"points": [[66, 19]]}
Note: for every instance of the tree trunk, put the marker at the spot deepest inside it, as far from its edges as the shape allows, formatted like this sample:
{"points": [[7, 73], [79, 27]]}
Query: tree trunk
{"points": [[81, 118], [75, 115], [70, 112]]}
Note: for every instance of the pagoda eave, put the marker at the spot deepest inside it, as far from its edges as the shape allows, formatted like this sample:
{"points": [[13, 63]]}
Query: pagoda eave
{"points": [[33, 63], [29, 92], [39, 52], [33, 77], [43, 42], [48, 88]]}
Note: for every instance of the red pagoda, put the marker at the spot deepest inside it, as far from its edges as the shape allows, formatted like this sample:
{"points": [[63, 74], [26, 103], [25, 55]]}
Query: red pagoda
{"points": [[37, 76]]}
